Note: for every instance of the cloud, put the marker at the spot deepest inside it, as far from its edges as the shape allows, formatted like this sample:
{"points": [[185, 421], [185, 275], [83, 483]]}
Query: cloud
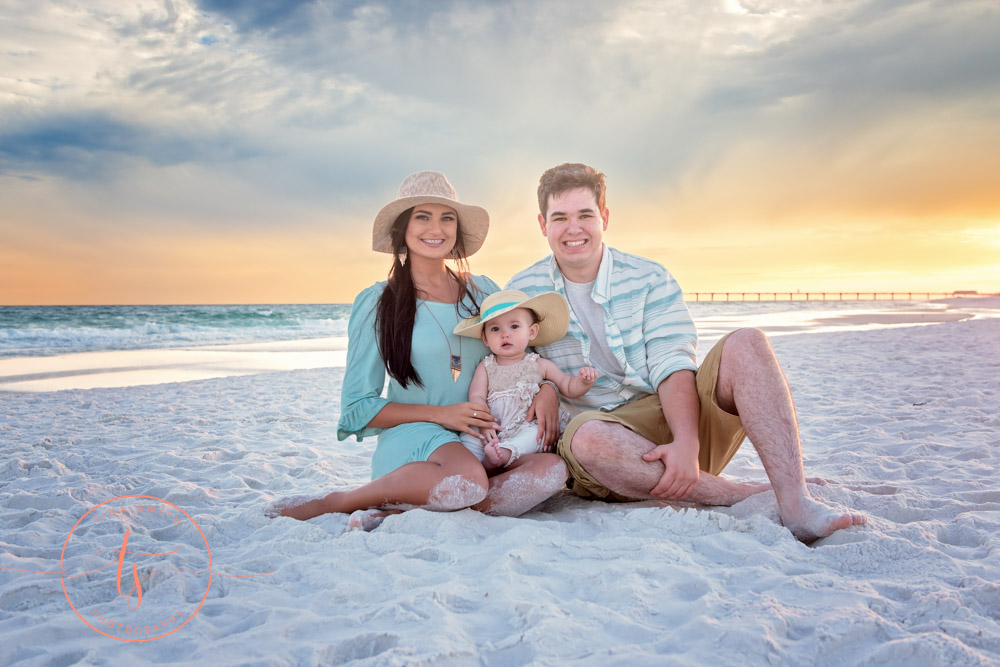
{"points": [[87, 146], [270, 16], [221, 113], [654, 90]]}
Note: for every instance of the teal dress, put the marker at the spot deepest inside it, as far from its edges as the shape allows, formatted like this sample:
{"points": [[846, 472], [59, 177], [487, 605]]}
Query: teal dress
{"points": [[364, 378]]}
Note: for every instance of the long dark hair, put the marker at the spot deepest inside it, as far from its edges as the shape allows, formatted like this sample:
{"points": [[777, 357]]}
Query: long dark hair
{"points": [[396, 310]]}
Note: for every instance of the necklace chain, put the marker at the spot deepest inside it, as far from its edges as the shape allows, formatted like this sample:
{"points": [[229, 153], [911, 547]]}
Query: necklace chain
{"points": [[456, 359]]}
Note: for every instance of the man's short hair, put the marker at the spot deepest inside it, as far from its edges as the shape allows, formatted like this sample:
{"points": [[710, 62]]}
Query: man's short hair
{"points": [[570, 176]]}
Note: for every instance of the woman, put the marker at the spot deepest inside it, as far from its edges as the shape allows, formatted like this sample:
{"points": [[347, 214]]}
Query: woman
{"points": [[404, 327]]}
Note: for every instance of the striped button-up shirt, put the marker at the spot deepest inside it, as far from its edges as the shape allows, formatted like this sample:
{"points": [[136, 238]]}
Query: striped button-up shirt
{"points": [[646, 323]]}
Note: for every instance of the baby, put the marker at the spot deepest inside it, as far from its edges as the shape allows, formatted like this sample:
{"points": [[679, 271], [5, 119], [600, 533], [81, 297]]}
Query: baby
{"points": [[508, 379]]}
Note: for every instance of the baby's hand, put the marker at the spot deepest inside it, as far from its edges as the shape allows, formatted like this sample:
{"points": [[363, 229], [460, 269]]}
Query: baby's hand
{"points": [[588, 374], [489, 436]]}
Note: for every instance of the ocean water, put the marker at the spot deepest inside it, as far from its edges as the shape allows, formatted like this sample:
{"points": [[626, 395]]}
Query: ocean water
{"points": [[27, 331], [32, 331]]}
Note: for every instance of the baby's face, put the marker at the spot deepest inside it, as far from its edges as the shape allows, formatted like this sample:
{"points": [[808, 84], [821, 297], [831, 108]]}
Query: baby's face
{"points": [[509, 335]]}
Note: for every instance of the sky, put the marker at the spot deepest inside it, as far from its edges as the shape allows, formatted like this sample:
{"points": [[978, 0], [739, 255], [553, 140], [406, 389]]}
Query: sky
{"points": [[236, 151]]}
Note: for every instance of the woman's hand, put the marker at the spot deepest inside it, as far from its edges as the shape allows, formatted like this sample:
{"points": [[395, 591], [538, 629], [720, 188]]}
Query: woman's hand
{"points": [[462, 417]]}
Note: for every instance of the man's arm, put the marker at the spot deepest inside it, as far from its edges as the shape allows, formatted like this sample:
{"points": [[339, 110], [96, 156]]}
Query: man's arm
{"points": [[681, 408]]}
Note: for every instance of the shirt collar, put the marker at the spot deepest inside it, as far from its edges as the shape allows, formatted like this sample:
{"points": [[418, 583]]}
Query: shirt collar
{"points": [[602, 284]]}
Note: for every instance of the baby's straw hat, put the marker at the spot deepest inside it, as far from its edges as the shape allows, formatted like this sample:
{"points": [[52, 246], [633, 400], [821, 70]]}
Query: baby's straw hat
{"points": [[551, 308], [430, 187]]}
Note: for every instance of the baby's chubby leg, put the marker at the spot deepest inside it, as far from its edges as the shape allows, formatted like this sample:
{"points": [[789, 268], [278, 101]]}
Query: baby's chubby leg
{"points": [[525, 441]]}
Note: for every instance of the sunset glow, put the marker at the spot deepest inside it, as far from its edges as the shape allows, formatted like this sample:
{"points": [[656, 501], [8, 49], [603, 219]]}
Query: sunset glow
{"points": [[217, 152]]}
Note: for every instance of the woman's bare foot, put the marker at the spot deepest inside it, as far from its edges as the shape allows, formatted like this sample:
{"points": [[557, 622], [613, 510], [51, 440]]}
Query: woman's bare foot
{"points": [[276, 508], [367, 520], [304, 508], [811, 520]]}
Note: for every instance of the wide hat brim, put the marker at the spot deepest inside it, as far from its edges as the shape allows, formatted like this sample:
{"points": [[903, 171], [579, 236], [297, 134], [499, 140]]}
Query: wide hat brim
{"points": [[473, 220], [551, 307]]}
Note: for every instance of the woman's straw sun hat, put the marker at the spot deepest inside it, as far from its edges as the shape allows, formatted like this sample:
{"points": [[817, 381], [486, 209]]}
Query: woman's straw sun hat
{"points": [[430, 187]]}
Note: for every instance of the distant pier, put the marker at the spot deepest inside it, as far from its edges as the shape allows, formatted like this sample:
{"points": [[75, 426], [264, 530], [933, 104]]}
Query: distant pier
{"points": [[828, 296]]}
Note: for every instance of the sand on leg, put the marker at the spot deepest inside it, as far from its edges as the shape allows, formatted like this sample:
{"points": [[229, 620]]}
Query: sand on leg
{"points": [[527, 482]]}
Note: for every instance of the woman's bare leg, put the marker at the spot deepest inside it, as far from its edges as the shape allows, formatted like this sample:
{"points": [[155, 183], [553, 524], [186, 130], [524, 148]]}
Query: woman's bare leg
{"points": [[528, 481], [452, 478]]}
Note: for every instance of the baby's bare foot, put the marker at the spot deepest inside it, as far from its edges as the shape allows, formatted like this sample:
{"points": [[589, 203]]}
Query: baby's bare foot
{"points": [[494, 455], [813, 520]]}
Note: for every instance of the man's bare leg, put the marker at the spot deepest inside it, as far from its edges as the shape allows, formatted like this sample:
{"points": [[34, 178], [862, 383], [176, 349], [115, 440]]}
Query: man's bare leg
{"points": [[452, 478], [622, 469], [752, 385]]}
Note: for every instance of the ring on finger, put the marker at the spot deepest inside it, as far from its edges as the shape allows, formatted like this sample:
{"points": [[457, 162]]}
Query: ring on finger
{"points": [[474, 413]]}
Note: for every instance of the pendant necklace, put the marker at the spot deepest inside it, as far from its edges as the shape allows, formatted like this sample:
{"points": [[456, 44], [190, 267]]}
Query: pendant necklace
{"points": [[456, 359]]}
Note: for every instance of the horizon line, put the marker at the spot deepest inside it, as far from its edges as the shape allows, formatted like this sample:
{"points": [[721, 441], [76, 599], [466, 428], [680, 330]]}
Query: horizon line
{"points": [[966, 294]]}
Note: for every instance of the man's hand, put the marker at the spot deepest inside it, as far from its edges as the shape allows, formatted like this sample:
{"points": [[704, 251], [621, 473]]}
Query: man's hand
{"points": [[545, 408], [680, 460]]}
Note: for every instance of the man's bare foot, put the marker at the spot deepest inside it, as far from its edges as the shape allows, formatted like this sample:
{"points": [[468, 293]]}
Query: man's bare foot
{"points": [[367, 520], [496, 456], [812, 520]]}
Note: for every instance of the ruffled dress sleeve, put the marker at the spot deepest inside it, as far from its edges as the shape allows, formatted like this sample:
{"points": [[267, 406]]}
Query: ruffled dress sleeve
{"points": [[486, 284], [364, 378]]}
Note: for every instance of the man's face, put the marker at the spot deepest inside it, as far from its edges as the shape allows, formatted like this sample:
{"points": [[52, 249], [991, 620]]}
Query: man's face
{"points": [[574, 227]]}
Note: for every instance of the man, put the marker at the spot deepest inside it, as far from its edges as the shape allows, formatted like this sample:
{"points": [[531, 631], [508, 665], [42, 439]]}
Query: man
{"points": [[655, 425]]}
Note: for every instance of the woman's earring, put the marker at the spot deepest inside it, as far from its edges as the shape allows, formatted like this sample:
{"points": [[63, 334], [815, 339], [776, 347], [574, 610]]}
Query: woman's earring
{"points": [[454, 252], [402, 256]]}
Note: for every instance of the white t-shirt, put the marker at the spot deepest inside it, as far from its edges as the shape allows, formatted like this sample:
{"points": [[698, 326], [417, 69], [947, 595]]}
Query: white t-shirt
{"points": [[591, 317]]}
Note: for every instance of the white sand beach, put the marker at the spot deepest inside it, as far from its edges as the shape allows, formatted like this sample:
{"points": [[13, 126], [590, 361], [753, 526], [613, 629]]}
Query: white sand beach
{"points": [[904, 421]]}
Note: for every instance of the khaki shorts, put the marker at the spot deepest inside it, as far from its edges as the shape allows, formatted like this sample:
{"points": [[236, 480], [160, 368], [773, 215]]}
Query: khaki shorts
{"points": [[719, 432]]}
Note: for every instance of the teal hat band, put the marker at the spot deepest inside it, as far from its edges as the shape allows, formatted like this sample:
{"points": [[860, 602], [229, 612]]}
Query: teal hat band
{"points": [[488, 313]]}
